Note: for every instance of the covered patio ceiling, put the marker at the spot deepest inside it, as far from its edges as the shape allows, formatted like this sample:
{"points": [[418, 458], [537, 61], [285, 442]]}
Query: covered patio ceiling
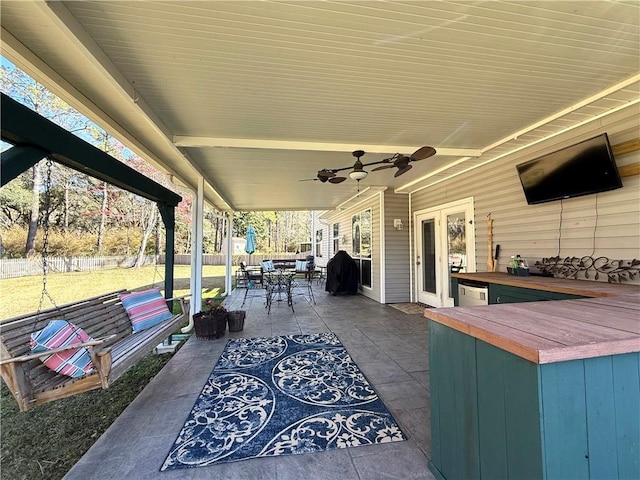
{"points": [[255, 96]]}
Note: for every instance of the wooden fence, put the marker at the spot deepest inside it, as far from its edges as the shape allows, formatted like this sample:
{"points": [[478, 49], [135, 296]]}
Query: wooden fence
{"points": [[215, 259], [22, 267]]}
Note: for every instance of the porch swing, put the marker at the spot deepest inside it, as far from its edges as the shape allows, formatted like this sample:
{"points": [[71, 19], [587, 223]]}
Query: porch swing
{"points": [[102, 323], [101, 328]]}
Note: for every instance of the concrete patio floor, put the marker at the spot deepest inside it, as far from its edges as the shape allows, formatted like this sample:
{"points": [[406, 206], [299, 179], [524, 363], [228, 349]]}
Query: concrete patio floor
{"points": [[389, 346]]}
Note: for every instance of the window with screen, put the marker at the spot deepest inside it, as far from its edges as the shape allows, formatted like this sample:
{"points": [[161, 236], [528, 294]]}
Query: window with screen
{"points": [[362, 237], [318, 243]]}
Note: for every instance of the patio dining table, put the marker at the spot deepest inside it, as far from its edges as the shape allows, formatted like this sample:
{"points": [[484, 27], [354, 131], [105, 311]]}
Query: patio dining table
{"points": [[278, 283]]}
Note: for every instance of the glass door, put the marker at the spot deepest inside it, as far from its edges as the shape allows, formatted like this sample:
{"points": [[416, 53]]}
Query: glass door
{"points": [[444, 244], [427, 259]]}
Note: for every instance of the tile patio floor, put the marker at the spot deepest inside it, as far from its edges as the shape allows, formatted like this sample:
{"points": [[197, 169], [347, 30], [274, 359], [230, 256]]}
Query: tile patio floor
{"points": [[389, 346]]}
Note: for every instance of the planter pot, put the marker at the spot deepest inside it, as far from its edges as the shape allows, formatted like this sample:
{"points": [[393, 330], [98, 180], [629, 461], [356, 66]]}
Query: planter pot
{"points": [[519, 271], [236, 320], [209, 326]]}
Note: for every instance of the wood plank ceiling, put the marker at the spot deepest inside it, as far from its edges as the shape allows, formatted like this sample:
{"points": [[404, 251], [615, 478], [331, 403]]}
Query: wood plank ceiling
{"points": [[255, 96]]}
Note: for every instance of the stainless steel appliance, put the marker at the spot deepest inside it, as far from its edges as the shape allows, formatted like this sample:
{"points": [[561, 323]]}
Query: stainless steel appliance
{"points": [[471, 295]]}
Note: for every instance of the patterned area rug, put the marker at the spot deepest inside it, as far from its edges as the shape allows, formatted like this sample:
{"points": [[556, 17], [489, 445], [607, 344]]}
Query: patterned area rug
{"points": [[410, 308], [280, 396]]}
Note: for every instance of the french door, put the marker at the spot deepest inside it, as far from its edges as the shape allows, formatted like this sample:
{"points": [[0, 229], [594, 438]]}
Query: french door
{"points": [[444, 242]]}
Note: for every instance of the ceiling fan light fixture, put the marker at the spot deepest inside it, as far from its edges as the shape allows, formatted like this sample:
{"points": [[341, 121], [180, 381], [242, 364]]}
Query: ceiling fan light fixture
{"points": [[358, 172], [358, 175]]}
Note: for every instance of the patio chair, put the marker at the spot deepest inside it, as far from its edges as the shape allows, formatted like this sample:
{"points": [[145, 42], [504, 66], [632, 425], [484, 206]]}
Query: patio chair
{"points": [[303, 279], [278, 286], [252, 281]]}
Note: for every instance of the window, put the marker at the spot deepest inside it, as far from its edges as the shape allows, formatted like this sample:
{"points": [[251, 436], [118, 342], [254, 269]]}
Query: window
{"points": [[318, 243], [362, 236], [336, 237]]}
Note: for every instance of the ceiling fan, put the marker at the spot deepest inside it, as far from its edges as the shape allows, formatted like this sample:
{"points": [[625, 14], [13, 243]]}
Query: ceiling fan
{"points": [[325, 175], [402, 162], [398, 160]]}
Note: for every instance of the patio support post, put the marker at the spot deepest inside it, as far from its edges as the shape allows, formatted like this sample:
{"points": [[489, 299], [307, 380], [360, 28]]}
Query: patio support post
{"points": [[228, 273], [313, 234], [167, 212], [197, 221]]}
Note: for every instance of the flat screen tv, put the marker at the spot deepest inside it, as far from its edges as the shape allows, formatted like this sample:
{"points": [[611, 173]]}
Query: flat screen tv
{"points": [[584, 168]]}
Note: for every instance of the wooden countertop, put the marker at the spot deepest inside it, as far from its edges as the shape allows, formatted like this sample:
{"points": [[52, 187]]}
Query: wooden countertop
{"points": [[552, 331], [585, 288]]}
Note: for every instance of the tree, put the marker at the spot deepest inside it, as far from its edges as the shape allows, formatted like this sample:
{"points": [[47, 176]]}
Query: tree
{"points": [[23, 88], [36, 177], [149, 221], [15, 203]]}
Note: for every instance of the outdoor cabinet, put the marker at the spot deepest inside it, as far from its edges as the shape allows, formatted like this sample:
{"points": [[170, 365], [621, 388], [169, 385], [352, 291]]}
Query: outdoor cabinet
{"points": [[509, 294], [496, 415]]}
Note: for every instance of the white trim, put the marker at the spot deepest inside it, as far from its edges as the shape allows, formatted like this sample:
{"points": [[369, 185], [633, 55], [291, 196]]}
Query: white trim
{"points": [[197, 224], [383, 254], [360, 197], [412, 293], [262, 143], [195, 280]]}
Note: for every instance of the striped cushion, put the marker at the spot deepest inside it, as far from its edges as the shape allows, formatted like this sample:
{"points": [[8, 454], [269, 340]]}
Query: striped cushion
{"points": [[301, 265], [146, 308], [268, 266], [60, 333]]}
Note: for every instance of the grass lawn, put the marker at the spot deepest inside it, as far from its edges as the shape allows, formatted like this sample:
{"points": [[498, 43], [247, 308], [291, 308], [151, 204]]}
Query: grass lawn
{"points": [[45, 442], [22, 295]]}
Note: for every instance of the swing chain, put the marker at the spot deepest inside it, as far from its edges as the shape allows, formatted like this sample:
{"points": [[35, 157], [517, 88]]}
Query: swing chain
{"points": [[45, 236]]}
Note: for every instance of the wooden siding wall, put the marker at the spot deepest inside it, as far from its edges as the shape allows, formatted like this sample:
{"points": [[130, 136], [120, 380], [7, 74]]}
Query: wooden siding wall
{"points": [[535, 231], [397, 259], [344, 219]]}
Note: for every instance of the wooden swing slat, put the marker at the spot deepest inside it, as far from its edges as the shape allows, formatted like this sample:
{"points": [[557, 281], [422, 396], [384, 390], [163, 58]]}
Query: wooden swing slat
{"points": [[98, 299], [105, 320], [37, 356], [114, 350]]}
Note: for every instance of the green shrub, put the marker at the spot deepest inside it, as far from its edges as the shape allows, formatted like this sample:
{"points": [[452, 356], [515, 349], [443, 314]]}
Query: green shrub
{"points": [[13, 241], [121, 241]]}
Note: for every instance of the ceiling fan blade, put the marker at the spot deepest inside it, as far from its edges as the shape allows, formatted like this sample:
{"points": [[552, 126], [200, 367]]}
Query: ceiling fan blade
{"points": [[337, 179], [324, 173], [308, 180], [382, 167], [422, 153], [402, 170]]}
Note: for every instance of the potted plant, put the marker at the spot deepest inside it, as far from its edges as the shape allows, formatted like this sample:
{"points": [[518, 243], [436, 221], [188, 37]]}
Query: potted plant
{"points": [[211, 322], [236, 320]]}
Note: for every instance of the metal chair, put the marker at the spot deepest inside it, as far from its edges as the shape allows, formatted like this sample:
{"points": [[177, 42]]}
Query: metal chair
{"points": [[250, 281], [277, 285], [303, 280]]}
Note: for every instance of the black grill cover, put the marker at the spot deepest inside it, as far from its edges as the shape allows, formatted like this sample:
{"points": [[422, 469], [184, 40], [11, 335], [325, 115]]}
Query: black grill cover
{"points": [[342, 274]]}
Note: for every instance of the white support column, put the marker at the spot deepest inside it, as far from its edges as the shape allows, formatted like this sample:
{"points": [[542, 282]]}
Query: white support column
{"points": [[195, 284], [313, 234], [228, 277]]}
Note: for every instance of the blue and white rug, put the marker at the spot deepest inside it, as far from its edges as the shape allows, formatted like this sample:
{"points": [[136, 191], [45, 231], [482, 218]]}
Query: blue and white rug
{"points": [[281, 396]]}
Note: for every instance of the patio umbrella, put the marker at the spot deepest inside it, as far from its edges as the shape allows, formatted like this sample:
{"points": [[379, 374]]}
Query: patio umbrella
{"points": [[250, 246]]}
